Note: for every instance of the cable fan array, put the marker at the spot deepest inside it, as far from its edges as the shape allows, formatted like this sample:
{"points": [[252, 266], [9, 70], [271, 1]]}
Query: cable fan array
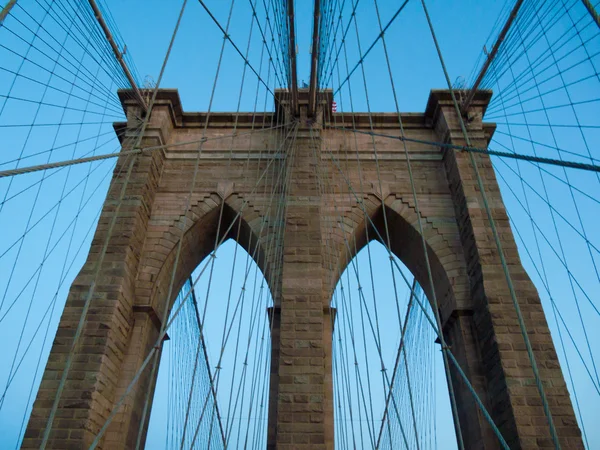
{"points": [[58, 82], [59, 78]]}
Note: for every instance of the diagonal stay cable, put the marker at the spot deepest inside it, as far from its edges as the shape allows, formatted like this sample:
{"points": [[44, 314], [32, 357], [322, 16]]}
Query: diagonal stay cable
{"points": [[135, 151], [498, 243], [470, 149], [104, 248], [174, 315], [438, 332], [234, 45], [364, 55]]}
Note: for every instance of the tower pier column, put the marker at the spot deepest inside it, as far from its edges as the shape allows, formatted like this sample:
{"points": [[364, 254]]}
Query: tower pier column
{"points": [[493, 344], [301, 414]]}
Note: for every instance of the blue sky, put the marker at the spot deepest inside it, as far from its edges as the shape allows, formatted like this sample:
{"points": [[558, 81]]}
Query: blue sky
{"points": [[463, 28]]}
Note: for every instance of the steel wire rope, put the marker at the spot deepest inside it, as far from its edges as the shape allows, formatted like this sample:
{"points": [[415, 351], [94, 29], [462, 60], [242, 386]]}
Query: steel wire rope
{"points": [[226, 337], [424, 245], [546, 283], [365, 54], [589, 245], [255, 314], [470, 149], [173, 316], [573, 23], [103, 251], [20, 239], [555, 177], [85, 71], [576, 119], [39, 66], [64, 273], [328, 49], [54, 88], [62, 146], [256, 246], [223, 200], [511, 44], [34, 204], [53, 174], [87, 15], [212, 266], [62, 278], [521, 322], [560, 258], [264, 40], [136, 151], [90, 34], [273, 117], [232, 414], [361, 295], [400, 354], [558, 315], [274, 272], [525, 75], [360, 395], [361, 55], [495, 108], [545, 277], [438, 333], [594, 382], [345, 369], [363, 301], [322, 188], [335, 298], [54, 105], [38, 222], [327, 191], [268, 252], [525, 15], [183, 225], [362, 190], [233, 44], [546, 200], [538, 143], [229, 429], [343, 40], [353, 263], [46, 250]]}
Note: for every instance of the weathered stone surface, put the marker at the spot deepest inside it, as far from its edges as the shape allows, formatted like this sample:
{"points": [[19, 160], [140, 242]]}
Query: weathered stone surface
{"points": [[326, 224]]}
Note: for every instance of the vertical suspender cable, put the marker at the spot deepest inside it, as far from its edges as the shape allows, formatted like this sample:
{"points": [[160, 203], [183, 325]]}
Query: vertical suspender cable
{"points": [[507, 275], [103, 252]]}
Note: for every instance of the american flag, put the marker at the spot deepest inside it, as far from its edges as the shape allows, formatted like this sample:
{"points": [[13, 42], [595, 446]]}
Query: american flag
{"points": [[333, 107]]}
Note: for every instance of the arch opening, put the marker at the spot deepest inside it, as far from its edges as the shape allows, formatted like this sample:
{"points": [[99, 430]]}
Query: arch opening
{"points": [[372, 310], [228, 404], [405, 243]]}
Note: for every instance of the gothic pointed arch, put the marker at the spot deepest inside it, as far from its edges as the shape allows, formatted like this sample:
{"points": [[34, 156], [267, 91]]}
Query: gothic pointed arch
{"points": [[215, 220]]}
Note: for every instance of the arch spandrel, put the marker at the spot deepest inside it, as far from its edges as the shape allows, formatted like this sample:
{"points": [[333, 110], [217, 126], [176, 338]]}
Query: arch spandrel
{"points": [[447, 265], [160, 248]]}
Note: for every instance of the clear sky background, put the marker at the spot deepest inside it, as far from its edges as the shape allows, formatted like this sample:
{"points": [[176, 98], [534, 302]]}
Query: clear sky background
{"points": [[463, 28]]}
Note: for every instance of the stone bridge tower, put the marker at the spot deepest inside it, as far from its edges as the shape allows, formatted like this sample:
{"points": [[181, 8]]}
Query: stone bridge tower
{"points": [[479, 321]]}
